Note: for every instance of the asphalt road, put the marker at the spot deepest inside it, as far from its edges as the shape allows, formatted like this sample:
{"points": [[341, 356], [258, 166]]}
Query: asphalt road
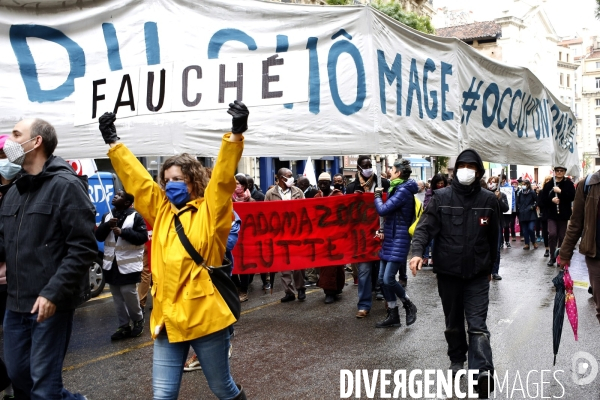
{"points": [[296, 350]]}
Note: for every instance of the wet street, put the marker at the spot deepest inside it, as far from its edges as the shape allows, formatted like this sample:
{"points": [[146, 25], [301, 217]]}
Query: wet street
{"points": [[296, 350]]}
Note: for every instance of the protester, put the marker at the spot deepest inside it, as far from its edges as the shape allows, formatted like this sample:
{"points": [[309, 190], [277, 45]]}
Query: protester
{"points": [[8, 173], [585, 224], [526, 209], [338, 183], [464, 220], [557, 196], [508, 220], [241, 192], [285, 190], [421, 192], [492, 186], [437, 182], [146, 277], [188, 311], [48, 251], [307, 189], [124, 233], [331, 279], [255, 191], [399, 213], [368, 272], [544, 216]]}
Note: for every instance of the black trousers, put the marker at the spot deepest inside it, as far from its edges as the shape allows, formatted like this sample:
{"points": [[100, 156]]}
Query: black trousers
{"points": [[467, 299]]}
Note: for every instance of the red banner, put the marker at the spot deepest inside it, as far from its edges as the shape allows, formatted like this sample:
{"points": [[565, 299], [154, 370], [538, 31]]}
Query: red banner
{"points": [[297, 234]]}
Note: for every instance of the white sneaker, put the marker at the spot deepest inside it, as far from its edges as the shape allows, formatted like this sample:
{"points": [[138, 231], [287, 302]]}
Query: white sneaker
{"points": [[192, 364]]}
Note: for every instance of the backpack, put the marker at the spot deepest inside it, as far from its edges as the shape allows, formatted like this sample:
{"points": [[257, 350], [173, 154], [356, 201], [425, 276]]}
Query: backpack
{"points": [[586, 187], [418, 213]]}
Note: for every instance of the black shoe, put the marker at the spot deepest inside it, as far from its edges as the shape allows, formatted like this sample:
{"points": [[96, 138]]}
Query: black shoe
{"points": [[455, 367], [485, 385], [329, 298], [403, 282], [138, 328], [309, 283], [508, 246], [379, 296], [590, 291], [242, 394], [392, 319], [288, 297], [496, 277], [411, 312], [551, 262], [122, 332], [547, 253], [301, 294]]}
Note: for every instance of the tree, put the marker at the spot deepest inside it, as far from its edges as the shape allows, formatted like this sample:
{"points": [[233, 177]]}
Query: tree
{"points": [[597, 9], [394, 10], [339, 2]]}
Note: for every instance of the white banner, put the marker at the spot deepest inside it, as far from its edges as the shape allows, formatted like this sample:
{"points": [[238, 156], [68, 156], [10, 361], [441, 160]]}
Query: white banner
{"points": [[353, 82]]}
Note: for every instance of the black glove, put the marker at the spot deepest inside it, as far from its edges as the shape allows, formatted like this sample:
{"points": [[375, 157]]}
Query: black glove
{"points": [[378, 192], [239, 116], [107, 127]]}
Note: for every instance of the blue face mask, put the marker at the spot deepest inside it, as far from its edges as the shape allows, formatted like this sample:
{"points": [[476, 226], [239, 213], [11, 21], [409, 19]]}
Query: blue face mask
{"points": [[8, 170], [177, 192]]}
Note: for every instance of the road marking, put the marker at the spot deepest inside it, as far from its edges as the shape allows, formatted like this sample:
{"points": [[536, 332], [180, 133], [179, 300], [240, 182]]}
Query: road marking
{"points": [[101, 296], [146, 344]]}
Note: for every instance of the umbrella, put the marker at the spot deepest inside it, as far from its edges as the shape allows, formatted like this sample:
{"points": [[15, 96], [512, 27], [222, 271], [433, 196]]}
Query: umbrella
{"points": [[571, 305], [558, 316]]}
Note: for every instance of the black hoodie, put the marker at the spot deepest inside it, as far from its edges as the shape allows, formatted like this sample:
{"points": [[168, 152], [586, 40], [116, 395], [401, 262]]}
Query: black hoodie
{"points": [[464, 222], [47, 224]]}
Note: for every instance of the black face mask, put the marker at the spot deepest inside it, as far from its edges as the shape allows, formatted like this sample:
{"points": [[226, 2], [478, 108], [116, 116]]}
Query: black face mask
{"points": [[338, 186]]}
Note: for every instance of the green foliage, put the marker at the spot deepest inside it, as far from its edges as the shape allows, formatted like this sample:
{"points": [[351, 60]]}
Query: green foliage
{"points": [[441, 164], [597, 9], [415, 21], [338, 2]]}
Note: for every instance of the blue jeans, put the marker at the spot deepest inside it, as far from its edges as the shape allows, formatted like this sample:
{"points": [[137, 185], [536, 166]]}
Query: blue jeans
{"points": [[34, 354], [387, 280], [528, 231], [364, 286], [213, 353]]}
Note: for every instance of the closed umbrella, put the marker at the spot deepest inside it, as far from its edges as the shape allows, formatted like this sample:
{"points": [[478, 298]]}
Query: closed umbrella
{"points": [[558, 315], [570, 303]]}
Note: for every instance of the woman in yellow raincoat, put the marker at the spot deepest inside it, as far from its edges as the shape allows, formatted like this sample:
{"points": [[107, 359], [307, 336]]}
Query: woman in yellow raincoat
{"points": [[188, 310]]}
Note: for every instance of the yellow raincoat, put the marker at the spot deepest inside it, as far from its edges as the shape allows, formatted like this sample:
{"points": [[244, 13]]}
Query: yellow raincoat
{"points": [[185, 300]]}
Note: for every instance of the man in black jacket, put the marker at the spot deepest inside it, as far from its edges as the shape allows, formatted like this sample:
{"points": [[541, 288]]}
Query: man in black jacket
{"points": [[47, 226], [368, 272], [464, 222], [255, 191], [557, 196]]}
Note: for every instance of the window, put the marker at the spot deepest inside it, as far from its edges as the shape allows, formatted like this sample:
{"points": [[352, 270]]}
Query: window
{"points": [[561, 81], [597, 83], [567, 57], [568, 80], [575, 51], [560, 56], [597, 102], [598, 120], [598, 65]]}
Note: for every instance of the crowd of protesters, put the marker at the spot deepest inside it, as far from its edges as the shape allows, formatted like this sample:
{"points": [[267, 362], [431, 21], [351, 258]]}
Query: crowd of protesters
{"points": [[465, 222]]}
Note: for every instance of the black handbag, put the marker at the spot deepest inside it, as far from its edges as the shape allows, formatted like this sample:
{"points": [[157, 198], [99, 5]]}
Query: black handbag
{"points": [[220, 279]]}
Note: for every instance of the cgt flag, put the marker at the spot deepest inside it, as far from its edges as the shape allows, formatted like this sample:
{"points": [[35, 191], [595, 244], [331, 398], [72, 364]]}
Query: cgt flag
{"points": [[308, 233]]}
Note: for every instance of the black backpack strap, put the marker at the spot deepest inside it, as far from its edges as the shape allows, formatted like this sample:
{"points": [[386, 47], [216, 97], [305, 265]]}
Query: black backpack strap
{"points": [[185, 241]]}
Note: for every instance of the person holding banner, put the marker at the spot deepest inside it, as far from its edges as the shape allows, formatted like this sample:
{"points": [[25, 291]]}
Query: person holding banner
{"points": [[368, 272], [399, 213], [188, 309], [285, 190], [464, 221], [331, 279]]}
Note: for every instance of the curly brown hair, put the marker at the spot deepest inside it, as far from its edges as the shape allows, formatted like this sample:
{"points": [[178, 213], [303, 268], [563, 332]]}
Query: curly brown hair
{"points": [[192, 169]]}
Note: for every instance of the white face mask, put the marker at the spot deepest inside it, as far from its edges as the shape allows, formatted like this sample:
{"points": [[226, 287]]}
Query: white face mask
{"points": [[367, 172], [492, 186], [290, 182], [14, 151], [465, 176]]}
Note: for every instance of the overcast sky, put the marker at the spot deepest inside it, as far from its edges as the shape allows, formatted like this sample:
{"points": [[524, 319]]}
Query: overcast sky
{"points": [[567, 17]]}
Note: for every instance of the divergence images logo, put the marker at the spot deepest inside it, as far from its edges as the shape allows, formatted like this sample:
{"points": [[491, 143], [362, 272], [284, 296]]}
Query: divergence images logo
{"points": [[584, 368]]}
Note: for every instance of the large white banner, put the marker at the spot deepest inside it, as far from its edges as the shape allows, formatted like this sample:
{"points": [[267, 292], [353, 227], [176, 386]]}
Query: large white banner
{"points": [[353, 81]]}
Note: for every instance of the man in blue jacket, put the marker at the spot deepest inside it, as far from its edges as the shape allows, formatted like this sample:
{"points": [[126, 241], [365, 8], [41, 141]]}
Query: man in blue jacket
{"points": [[464, 222], [47, 224]]}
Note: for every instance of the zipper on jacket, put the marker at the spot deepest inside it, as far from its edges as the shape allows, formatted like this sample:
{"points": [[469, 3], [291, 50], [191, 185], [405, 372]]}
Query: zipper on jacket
{"points": [[17, 254]]}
